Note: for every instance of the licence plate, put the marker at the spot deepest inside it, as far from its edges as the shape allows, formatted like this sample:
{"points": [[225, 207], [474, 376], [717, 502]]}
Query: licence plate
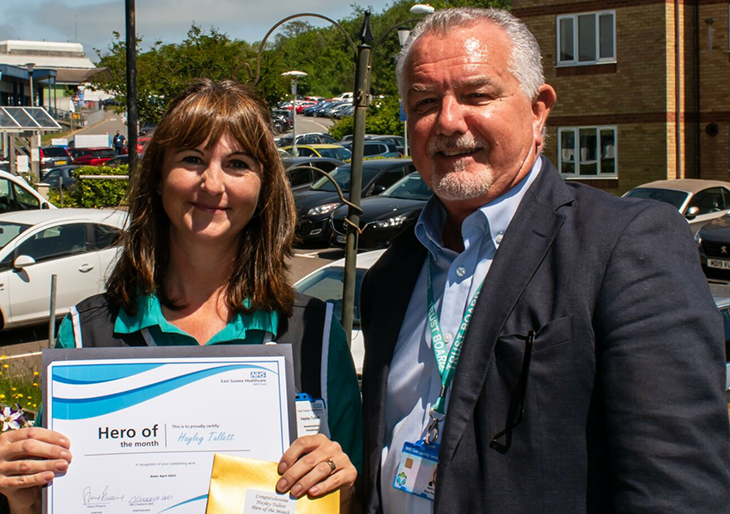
{"points": [[343, 240], [60, 163], [718, 263]]}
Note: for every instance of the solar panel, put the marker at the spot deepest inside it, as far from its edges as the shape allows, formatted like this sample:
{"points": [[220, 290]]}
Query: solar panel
{"points": [[26, 118]]}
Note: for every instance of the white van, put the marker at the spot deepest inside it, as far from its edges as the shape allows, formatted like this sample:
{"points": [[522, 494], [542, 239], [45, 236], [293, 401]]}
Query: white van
{"points": [[17, 195]]}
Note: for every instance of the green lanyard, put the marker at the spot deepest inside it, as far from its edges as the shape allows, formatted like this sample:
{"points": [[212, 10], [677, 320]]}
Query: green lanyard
{"points": [[446, 363]]}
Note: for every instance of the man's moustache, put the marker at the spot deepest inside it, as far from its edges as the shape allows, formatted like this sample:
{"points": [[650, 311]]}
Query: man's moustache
{"points": [[463, 142]]}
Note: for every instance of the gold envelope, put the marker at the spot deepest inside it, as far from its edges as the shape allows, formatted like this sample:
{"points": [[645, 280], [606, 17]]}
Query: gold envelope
{"points": [[233, 476]]}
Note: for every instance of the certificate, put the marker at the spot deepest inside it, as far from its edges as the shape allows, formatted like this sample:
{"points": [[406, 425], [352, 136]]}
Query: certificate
{"points": [[144, 423]]}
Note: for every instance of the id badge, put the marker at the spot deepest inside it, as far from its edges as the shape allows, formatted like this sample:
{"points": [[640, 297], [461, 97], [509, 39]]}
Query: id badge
{"points": [[311, 416], [417, 470]]}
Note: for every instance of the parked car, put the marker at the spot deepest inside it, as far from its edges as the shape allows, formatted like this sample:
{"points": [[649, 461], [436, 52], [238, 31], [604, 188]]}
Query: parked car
{"points": [[17, 195], [92, 156], [79, 246], [62, 176], [398, 141], [141, 145], [721, 294], [326, 284], [376, 149], [331, 151], [386, 215], [316, 203], [309, 138], [699, 201], [300, 173], [52, 156]]}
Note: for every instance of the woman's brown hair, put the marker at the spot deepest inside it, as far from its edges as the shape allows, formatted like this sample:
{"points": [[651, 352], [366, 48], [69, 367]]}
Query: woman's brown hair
{"points": [[202, 114]]}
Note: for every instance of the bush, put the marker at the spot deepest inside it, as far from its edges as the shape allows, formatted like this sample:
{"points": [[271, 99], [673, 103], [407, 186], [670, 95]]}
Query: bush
{"points": [[382, 117], [98, 193]]}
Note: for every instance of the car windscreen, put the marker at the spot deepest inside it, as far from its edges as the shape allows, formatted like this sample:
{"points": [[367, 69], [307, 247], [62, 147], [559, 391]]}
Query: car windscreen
{"points": [[410, 187], [342, 177], [326, 284], [335, 153], [675, 198], [9, 231], [54, 152]]}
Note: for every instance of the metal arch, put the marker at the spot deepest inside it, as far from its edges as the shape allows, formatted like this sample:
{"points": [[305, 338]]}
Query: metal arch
{"points": [[288, 18]]}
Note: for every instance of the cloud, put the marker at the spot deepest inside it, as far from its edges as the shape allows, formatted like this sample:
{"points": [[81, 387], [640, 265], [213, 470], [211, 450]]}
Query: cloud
{"points": [[164, 20]]}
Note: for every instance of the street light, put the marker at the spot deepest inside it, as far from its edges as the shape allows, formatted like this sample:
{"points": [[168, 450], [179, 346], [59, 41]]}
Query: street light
{"points": [[363, 54], [30, 67], [294, 75]]}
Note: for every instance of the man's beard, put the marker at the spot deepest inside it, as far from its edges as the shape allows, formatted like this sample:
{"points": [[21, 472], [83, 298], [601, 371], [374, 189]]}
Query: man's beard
{"points": [[458, 183]]}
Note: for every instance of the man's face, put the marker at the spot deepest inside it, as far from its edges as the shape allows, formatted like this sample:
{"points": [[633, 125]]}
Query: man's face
{"points": [[474, 133]]}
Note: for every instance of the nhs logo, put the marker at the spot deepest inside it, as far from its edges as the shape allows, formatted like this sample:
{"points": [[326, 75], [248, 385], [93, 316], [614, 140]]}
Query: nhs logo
{"points": [[258, 374]]}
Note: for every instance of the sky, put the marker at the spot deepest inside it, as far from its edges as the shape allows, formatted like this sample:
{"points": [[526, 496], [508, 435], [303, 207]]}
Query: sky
{"points": [[91, 22]]}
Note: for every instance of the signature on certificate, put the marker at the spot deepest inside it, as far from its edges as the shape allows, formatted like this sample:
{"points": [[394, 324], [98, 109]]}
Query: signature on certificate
{"points": [[103, 497]]}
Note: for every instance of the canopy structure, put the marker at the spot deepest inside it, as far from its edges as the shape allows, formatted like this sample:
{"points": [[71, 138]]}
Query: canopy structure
{"points": [[21, 119]]}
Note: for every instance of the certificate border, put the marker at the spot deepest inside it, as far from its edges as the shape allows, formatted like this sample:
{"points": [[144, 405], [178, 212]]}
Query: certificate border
{"points": [[176, 353]]}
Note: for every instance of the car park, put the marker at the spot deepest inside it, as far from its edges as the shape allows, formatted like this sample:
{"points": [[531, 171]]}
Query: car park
{"points": [[326, 284], [300, 173], [92, 156], [60, 177], [315, 204], [376, 149], [308, 138], [699, 201], [721, 295], [321, 150], [398, 141], [79, 246], [384, 216], [17, 195]]}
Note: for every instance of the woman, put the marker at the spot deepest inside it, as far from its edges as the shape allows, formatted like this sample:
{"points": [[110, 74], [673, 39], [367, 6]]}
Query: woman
{"points": [[211, 222]]}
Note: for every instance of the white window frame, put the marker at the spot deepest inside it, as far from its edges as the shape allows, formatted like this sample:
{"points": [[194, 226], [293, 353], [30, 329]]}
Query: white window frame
{"points": [[575, 61], [576, 159]]}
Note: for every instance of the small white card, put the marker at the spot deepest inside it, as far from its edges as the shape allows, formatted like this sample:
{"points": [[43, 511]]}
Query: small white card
{"points": [[311, 416], [267, 502]]}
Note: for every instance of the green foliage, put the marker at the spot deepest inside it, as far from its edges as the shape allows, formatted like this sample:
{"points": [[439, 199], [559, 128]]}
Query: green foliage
{"points": [[98, 193], [383, 117], [19, 383]]}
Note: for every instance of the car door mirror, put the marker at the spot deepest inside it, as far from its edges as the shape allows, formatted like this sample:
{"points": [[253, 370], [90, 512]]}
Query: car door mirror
{"points": [[692, 212], [378, 188], [23, 261]]}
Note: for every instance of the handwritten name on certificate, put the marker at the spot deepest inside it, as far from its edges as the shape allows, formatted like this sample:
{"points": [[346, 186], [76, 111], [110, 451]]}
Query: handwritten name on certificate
{"points": [[144, 423]]}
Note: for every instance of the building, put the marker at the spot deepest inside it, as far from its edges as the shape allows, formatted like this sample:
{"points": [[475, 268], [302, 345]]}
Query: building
{"points": [[642, 88], [52, 67]]}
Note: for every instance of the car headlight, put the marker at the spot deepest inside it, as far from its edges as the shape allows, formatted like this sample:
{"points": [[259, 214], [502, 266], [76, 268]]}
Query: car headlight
{"points": [[393, 222], [322, 209]]}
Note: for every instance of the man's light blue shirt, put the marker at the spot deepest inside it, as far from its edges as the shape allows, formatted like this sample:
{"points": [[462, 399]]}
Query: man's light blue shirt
{"points": [[414, 381]]}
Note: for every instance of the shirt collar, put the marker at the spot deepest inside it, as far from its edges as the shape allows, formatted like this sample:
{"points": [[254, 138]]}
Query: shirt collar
{"points": [[493, 217], [149, 314]]}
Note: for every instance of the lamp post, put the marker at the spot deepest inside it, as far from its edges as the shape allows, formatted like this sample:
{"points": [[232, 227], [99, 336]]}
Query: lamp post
{"points": [[294, 75], [363, 55], [29, 66]]}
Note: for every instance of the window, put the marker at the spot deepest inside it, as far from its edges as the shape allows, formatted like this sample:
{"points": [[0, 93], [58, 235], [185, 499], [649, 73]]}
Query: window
{"points": [[587, 152], [587, 38], [105, 236], [55, 242], [709, 200]]}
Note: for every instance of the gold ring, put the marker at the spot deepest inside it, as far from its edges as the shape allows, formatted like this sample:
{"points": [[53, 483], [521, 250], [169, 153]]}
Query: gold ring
{"points": [[332, 465]]}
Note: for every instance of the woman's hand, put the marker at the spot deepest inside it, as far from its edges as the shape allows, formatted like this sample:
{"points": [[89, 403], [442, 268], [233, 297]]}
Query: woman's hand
{"points": [[315, 465], [29, 459]]}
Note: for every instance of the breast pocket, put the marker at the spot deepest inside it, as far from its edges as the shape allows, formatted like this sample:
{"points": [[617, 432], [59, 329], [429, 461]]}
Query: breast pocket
{"points": [[550, 335]]}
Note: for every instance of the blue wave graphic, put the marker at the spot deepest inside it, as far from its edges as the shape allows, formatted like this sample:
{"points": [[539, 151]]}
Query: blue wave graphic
{"points": [[99, 373], [84, 408], [191, 500]]}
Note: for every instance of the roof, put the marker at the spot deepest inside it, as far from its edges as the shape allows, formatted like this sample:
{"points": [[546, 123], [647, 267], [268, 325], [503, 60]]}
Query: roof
{"points": [[690, 185], [26, 118], [47, 61], [315, 146], [116, 217], [721, 294], [381, 163]]}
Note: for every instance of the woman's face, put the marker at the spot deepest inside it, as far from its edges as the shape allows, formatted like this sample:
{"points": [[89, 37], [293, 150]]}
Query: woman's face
{"points": [[209, 195]]}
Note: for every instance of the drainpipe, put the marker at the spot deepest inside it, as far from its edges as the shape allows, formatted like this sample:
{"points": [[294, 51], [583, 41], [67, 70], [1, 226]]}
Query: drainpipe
{"points": [[677, 91], [698, 161]]}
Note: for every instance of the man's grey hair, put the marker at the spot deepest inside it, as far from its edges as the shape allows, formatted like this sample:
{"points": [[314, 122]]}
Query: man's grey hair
{"points": [[525, 63]]}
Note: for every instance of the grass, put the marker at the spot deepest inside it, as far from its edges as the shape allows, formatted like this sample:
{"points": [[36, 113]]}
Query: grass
{"points": [[21, 384]]}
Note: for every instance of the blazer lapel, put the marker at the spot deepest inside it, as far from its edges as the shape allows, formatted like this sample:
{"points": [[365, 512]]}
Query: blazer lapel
{"points": [[526, 242]]}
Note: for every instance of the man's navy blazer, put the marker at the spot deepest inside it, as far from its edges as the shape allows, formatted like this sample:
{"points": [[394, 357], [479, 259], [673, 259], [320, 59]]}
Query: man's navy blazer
{"points": [[624, 402]]}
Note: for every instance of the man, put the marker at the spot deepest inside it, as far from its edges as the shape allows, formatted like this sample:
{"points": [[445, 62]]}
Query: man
{"points": [[590, 374], [118, 142]]}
